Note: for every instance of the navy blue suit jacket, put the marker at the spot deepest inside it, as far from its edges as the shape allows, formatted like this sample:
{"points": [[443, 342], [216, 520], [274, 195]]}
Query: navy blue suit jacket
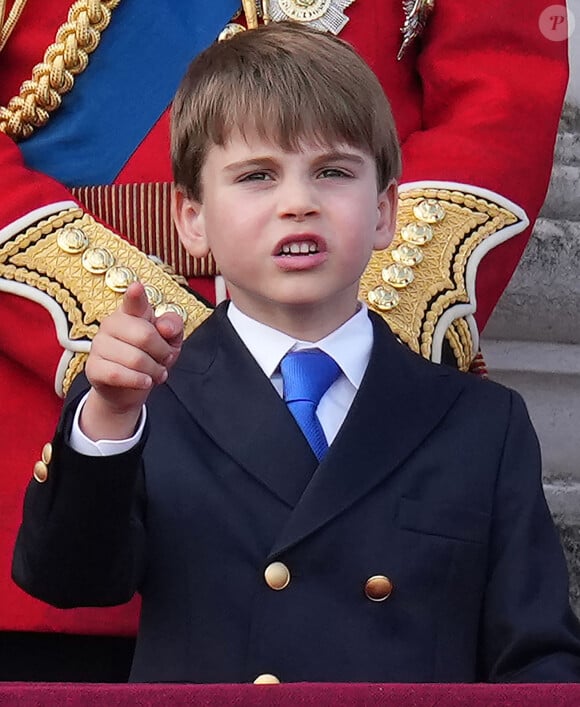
{"points": [[433, 481]]}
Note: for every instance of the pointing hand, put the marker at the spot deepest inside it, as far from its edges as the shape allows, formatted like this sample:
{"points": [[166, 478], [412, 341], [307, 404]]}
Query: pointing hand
{"points": [[131, 353]]}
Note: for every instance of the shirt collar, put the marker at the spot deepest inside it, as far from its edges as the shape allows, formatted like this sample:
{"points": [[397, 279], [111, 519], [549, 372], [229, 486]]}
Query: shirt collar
{"points": [[350, 345]]}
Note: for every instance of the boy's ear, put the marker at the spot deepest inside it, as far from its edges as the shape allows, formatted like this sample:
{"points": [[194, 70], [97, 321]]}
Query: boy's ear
{"points": [[189, 222], [387, 204]]}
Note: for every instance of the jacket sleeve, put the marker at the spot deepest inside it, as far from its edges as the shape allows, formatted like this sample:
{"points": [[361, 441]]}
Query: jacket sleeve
{"points": [[37, 348], [528, 630], [82, 538], [43, 347]]}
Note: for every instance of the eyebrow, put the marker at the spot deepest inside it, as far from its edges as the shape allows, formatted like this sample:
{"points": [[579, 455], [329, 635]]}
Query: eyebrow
{"points": [[253, 162], [340, 156], [331, 156]]}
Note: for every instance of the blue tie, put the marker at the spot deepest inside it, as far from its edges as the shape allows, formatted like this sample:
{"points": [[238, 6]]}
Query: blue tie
{"points": [[307, 375]]}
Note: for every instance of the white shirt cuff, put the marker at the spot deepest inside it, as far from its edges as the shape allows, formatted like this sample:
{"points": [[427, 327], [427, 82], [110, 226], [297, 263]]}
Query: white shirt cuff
{"points": [[103, 447]]}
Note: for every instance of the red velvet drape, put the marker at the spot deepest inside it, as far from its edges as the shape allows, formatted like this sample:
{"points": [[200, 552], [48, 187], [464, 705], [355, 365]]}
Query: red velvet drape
{"points": [[290, 695]]}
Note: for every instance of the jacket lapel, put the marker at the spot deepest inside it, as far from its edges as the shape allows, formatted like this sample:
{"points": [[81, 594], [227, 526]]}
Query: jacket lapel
{"points": [[226, 392], [401, 400]]}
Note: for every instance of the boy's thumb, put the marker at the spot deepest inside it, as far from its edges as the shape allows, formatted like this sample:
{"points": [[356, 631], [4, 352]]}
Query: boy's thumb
{"points": [[170, 326]]}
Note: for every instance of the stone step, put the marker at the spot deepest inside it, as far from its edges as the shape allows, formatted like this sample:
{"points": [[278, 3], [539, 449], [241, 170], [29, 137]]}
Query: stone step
{"points": [[563, 197], [547, 375], [564, 502], [568, 140], [570, 120], [568, 147], [542, 301]]}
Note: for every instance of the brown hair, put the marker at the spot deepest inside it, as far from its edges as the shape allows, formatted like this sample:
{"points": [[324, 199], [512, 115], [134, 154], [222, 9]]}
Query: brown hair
{"points": [[287, 82]]}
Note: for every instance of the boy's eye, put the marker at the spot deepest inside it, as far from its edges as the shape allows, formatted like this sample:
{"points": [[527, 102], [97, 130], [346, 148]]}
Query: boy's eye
{"points": [[330, 172], [255, 177]]}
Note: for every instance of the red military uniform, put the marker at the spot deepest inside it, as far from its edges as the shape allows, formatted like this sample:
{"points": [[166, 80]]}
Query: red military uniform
{"points": [[476, 99]]}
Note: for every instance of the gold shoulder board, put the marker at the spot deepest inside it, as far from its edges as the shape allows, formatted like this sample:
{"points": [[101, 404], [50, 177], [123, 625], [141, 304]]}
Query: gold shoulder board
{"points": [[79, 270]]}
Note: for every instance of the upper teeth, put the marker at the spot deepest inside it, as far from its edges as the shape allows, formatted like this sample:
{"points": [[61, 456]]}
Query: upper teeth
{"points": [[302, 247]]}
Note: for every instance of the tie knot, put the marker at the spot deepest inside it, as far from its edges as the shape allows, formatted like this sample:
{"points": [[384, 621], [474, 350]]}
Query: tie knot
{"points": [[307, 375]]}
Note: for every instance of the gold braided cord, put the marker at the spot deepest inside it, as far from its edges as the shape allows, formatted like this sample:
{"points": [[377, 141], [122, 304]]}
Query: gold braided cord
{"points": [[76, 365], [54, 76], [459, 338], [13, 17]]}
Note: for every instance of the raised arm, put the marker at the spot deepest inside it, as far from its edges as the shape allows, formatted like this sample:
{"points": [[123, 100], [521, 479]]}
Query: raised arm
{"points": [[82, 540]]}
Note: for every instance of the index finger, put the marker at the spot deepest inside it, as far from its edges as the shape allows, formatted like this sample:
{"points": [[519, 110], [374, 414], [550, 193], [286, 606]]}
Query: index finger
{"points": [[135, 302]]}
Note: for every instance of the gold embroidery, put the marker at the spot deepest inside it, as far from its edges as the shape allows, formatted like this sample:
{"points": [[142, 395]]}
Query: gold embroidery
{"points": [[459, 338], [439, 281], [76, 365], [40, 258], [63, 60]]}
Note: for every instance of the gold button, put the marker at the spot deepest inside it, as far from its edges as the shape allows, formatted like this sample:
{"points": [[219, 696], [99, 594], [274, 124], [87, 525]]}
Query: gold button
{"points": [[266, 679], [398, 275], [119, 277], [383, 298], [277, 576], [154, 296], [429, 211], [407, 254], [97, 260], [164, 307], [417, 233], [47, 453], [72, 240], [378, 587], [40, 472]]}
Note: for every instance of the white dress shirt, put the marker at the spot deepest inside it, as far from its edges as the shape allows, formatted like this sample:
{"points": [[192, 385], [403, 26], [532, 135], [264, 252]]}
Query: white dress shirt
{"points": [[350, 346]]}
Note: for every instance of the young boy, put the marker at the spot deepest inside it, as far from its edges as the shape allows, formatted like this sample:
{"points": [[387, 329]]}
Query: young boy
{"points": [[417, 546]]}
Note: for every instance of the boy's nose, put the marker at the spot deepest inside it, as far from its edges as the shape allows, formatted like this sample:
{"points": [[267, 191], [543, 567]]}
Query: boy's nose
{"points": [[297, 201]]}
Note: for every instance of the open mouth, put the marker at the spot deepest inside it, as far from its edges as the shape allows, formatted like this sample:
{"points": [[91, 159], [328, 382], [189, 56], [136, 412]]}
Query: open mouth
{"points": [[299, 248]]}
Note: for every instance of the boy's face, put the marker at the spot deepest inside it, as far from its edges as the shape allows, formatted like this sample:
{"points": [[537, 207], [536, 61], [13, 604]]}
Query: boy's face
{"points": [[291, 232]]}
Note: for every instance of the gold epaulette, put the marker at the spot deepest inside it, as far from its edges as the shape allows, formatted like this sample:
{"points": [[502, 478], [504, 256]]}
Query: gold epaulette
{"points": [[79, 270], [424, 283]]}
